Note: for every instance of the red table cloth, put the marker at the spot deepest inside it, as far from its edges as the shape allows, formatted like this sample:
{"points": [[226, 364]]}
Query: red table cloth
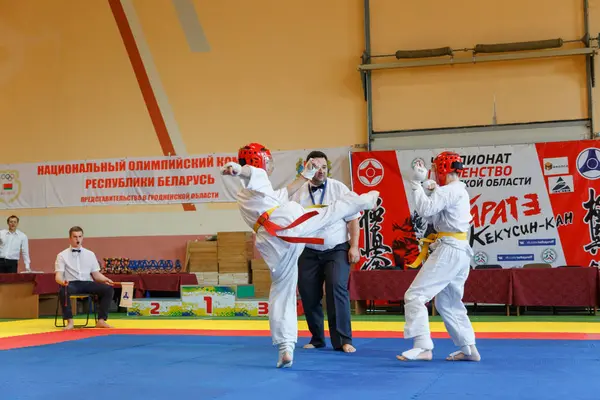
{"points": [[380, 284], [567, 287], [489, 286], [574, 287], [45, 283]]}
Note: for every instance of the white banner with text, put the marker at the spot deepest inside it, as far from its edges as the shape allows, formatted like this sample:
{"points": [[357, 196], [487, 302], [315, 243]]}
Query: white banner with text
{"points": [[157, 180]]}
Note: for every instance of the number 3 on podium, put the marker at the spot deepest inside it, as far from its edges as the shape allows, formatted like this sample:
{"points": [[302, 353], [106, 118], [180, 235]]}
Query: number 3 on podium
{"points": [[263, 308]]}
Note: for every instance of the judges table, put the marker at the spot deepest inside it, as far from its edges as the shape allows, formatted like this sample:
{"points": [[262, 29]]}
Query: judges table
{"points": [[20, 293], [560, 287]]}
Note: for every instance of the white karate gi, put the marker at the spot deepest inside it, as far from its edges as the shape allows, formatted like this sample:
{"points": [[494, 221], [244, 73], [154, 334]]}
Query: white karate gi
{"points": [[254, 199], [445, 272]]}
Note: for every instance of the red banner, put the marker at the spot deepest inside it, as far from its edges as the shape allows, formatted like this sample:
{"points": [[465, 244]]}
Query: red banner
{"points": [[537, 203]]}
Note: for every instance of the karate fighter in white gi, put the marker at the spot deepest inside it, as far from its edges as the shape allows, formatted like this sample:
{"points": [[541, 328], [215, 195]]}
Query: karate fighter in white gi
{"points": [[445, 272], [282, 228]]}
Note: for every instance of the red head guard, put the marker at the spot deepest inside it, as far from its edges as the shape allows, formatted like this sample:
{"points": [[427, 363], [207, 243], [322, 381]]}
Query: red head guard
{"points": [[256, 155], [444, 164]]}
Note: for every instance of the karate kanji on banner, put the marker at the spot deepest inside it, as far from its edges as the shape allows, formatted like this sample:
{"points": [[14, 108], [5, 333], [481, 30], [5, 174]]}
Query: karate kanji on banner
{"points": [[537, 203], [159, 180]]}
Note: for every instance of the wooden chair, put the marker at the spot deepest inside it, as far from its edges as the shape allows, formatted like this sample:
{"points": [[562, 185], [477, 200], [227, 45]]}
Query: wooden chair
{"points": [[488, 266], [537, 265]]}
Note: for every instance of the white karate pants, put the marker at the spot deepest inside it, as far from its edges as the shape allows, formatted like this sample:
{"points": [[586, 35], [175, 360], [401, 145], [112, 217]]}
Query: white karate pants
{"points": [[282, 258], [443, 276]]}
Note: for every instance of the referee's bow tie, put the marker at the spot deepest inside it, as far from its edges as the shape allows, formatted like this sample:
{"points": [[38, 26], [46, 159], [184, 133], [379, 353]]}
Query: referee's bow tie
{"points": [[315, 188]]}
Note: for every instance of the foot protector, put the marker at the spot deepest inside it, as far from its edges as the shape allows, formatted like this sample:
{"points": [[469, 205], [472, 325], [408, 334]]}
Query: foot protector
{"points": [[286, 355], [466, 353], [416, 354], [370, 199]]}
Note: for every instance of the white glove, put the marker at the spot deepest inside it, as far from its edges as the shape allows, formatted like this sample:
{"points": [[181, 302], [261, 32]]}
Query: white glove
{"points": [[419, 173], [309, 170], [231, 168], [429, 186]]}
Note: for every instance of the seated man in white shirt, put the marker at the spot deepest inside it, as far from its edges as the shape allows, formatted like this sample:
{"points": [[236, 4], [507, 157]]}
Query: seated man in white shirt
{"points": [[75, 267], [13, 243], [328, 263]]}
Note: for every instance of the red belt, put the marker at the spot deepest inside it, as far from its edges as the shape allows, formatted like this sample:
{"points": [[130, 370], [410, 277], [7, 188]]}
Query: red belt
{"points": [[272, 228]]}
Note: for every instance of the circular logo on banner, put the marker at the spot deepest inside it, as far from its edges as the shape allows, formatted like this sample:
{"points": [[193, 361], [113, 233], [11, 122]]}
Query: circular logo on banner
{"points": [[480, 258], [416, 160], [370, 172], [588, 163], [548, 256]]}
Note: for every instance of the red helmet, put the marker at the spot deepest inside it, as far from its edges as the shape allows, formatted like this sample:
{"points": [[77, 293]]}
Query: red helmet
{"points": [[444, 164], [256, 155]]}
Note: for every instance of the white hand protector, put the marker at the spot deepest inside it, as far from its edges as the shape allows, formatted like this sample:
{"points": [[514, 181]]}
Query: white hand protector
{"points": [[419, 172], [309, 170], [418, 175], [236, 168], [429, 186]]}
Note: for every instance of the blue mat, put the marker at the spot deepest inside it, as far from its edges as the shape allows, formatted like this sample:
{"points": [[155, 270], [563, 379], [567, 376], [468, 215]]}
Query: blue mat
{"points": [[157, 367]]}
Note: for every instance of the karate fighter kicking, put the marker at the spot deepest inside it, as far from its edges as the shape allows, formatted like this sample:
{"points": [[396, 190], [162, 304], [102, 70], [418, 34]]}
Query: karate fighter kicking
{"points": [[445, 272], [282, 229]]}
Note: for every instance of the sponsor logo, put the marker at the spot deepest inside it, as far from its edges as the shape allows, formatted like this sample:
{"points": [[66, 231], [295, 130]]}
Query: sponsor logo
{"points": [[556, 166], [548, 256], [537, 242], [561, 184], [480, 258], [588, 163], [370, 172], [515, 257]]}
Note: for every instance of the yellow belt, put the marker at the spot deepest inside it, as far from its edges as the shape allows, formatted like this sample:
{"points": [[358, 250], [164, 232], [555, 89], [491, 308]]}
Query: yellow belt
{"points": [[430, 239]]}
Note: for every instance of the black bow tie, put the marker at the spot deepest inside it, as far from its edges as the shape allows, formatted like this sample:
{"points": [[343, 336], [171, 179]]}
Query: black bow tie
{"points": [[315, 188], [76, 250]]}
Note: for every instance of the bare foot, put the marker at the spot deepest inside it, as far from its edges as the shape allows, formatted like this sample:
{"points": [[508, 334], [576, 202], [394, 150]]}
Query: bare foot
{"points": [[285, 360], [348, 348], [309, 346], [70, 325], [102, 324]]}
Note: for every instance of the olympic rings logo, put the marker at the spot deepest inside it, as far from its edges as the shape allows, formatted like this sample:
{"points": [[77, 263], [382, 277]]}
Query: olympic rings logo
{"points": [[7, 177]]}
